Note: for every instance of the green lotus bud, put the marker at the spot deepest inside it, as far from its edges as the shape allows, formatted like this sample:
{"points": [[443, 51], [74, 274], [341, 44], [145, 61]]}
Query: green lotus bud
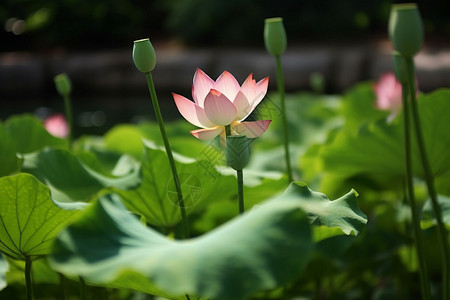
{"points": [[406, 29], [317, 82], [144, 55], [275, 36], [63, 85], [237, 151], [400, 67]]}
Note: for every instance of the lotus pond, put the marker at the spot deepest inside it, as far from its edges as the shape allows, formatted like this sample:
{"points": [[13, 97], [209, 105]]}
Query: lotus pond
{"points": [[255, 194]]}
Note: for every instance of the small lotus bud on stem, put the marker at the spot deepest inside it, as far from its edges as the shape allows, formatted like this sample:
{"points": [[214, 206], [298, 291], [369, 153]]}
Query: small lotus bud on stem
{"points": [[144, 55], [275, 36], [63, 85], [406, 29]]}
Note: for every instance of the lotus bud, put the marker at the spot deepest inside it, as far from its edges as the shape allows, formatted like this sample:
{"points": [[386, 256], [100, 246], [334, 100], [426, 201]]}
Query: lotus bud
{"points": [[400, 67], [275, 36], [144, 55], [406, 29], [63, 85], [237, 151]]}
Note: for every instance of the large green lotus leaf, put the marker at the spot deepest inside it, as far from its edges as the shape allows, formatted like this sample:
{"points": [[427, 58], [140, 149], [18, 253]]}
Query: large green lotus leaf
{"points": [[253, 178], [260, 250], [273, 159], [30, 220], [310, 118], [8, 158], [181, 141], [109, 164], [124, 138], [156, 198], [376, 150], [308, 115], [92, 153], [372, 156], [331, 218], [358, 106], [222, 210], [433, 110], [29, 134], [70, 180], [4, 267], [127, 139]]}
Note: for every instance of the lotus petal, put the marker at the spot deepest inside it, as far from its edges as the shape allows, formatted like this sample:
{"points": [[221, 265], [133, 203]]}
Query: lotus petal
{"points": [[227, 85], [243, 106], [255, 92], [219, 109], [192, 112], [202, 84], [208, 133], [252, 129]]}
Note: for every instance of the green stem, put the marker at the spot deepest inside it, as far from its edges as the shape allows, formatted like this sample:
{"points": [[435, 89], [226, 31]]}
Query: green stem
{"points": [[176, 180], [429, 180], [83, 289], [68, 109], [317, 288], [227, 130], [29, 284], [63, 286], [280, 83], [423, 274], [240, 179], [240, 184]]}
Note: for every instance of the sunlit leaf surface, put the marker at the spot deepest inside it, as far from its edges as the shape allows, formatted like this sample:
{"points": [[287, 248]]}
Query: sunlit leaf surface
{"points": [[265, 248], [71, 180], [29, 219], [30, 135], [156, 198]]}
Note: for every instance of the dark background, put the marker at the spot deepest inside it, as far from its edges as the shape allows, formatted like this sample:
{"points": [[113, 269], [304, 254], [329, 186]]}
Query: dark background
{"points": [[92, 42], [85, 24]]}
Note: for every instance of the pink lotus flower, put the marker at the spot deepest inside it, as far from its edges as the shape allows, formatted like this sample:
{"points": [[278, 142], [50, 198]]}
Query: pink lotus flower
{"points": [[223, 102], [57, 126], [389, 93]]}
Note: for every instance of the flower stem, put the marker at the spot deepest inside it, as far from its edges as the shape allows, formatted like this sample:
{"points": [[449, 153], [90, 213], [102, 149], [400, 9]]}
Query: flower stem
{"points": [[429, 180], [240, 184], [227, 130], [83, 289], [281, 91], [176, 180], [68, 109], [423, 274], [63, 286], [240, 178], [29, 284]]}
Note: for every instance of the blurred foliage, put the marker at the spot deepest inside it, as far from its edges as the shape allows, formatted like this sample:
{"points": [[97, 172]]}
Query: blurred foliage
{"points": [[79, 23], [242, 20], [337, 142], [39, 24]]}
